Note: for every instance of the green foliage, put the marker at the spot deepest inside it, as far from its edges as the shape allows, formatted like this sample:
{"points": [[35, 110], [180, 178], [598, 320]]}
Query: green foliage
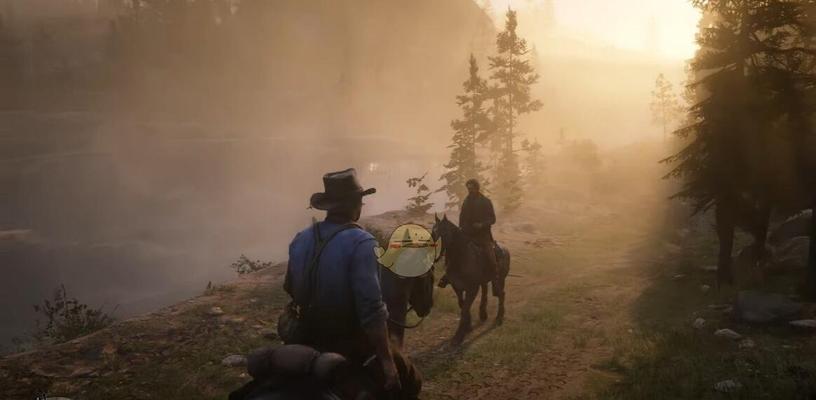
{"points": [[753, 86], [665, 106], [244, 265], [66, 319], [419, 205], [584, 153], [473, 126], [381, 237], [534, 163], [513, 76]]}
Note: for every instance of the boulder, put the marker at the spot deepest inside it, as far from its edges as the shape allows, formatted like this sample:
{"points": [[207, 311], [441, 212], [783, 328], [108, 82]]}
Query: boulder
{"points": [[699, 323], [797, 225], [760, 308], [234, 360], [791, 255], [804, 323], [728, 334], [215, 311], [728, 386], [747, 259]]}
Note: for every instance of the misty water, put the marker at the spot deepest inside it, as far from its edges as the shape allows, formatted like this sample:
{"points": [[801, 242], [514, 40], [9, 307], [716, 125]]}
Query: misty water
{"points": [[134, 216]]}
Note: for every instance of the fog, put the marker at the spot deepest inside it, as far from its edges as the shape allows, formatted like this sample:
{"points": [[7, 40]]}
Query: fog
{"points": [[137, 161]]}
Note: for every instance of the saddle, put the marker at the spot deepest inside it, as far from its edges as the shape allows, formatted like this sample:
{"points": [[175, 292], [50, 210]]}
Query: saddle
{"points": [[300, 372]]}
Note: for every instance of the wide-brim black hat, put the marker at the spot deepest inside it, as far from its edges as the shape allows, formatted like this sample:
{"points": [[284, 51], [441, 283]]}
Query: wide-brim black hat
{"points": [[340, 187]]}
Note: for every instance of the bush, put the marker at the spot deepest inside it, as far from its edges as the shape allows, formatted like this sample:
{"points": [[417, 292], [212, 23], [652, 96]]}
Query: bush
{"points": [[245, 266], [66, 318]]}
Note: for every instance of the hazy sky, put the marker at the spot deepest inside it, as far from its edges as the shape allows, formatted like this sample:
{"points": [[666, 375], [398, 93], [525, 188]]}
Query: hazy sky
{"points": [[627, 23]]}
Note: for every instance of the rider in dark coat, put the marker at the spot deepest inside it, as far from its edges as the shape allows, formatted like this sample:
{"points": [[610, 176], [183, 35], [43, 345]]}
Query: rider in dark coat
{"points": [[476, 219]]}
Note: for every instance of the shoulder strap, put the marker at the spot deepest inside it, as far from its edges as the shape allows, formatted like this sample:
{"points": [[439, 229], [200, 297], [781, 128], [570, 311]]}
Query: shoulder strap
{"points": [[321, 244]]}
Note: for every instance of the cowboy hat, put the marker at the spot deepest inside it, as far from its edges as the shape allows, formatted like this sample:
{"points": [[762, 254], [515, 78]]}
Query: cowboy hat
{"points": [[339, 187]]}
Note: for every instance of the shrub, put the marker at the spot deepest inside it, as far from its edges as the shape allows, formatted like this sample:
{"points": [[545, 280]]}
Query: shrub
{"points": [[66, 318]]}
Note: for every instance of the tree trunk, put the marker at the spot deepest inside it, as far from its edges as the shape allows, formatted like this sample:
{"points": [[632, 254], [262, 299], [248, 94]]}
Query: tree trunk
{"points": [[811, 276], [725, 221]]}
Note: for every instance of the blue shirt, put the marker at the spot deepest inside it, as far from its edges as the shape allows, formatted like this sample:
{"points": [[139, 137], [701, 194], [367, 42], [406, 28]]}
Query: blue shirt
{"points": [[347, 288]]}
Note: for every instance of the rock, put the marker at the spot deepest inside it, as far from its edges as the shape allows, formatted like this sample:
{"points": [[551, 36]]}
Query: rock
{"points": [[270, 334], [728, 386], [747, 258], [791, 255], [728, 333], [234, 360], [804, 323], [705, 288], [797, 225], [231, 319], [747, 344], [214, 311], [721, 307], [757, 307], [699, 323]]}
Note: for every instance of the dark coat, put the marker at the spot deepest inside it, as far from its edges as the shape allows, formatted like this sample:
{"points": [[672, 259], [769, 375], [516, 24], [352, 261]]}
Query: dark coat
{"points": [[477, 209]]}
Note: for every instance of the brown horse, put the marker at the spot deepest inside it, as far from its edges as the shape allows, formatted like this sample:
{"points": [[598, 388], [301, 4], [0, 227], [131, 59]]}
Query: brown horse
{"points": [[468, 272]]}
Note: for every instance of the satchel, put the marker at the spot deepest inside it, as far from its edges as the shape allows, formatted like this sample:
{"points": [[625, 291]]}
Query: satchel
{"points": [[292, 327]]}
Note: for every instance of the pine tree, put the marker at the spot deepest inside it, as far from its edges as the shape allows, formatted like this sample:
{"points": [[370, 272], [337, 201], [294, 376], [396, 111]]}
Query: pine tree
{"points": [[665, 107], [737, 156], [534, 164], [473, 125], [513, 76], [419, 205]]}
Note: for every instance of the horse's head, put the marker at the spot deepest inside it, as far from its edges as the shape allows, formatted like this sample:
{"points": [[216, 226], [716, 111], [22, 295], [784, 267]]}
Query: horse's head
{"points": [[442, 228], [421, 296]]}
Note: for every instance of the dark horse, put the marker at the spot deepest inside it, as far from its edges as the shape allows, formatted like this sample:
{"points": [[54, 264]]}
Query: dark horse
{"points": [[401, 296], [468, 273]]}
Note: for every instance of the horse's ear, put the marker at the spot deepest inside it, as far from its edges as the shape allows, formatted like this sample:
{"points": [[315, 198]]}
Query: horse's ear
{"points": [[445, 217], [436, 217]]}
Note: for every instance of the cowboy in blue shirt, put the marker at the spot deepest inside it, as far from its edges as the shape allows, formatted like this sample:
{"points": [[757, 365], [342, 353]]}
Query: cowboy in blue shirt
{"points": [[346, 313]]}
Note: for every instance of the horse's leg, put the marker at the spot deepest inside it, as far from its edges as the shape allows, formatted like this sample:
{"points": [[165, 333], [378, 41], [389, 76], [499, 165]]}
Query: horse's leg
{"points": [[500, 313], [483, 303], [458, 297], [464, 317]]}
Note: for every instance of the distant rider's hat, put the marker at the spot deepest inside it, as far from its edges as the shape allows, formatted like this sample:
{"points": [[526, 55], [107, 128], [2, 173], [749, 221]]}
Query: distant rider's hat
{"points": [[340, 187]]}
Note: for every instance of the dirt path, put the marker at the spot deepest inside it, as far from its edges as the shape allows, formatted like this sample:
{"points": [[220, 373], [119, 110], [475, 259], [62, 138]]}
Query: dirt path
{"points": [[590, 294]]}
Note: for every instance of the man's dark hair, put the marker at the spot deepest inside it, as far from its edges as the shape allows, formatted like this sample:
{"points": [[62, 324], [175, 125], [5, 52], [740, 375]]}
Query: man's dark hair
{"points": [[473, 182], [345, 210]]}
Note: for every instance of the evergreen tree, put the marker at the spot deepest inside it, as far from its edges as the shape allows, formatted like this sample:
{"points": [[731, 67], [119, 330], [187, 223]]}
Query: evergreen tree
{"points": [[419, 205], [474, 124], [665, 106], [534, 164], [738, 158], [513, 76]]}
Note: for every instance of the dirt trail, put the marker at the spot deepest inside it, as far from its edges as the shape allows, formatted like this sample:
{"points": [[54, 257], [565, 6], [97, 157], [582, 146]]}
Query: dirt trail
{"points": [[608, 280]]}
